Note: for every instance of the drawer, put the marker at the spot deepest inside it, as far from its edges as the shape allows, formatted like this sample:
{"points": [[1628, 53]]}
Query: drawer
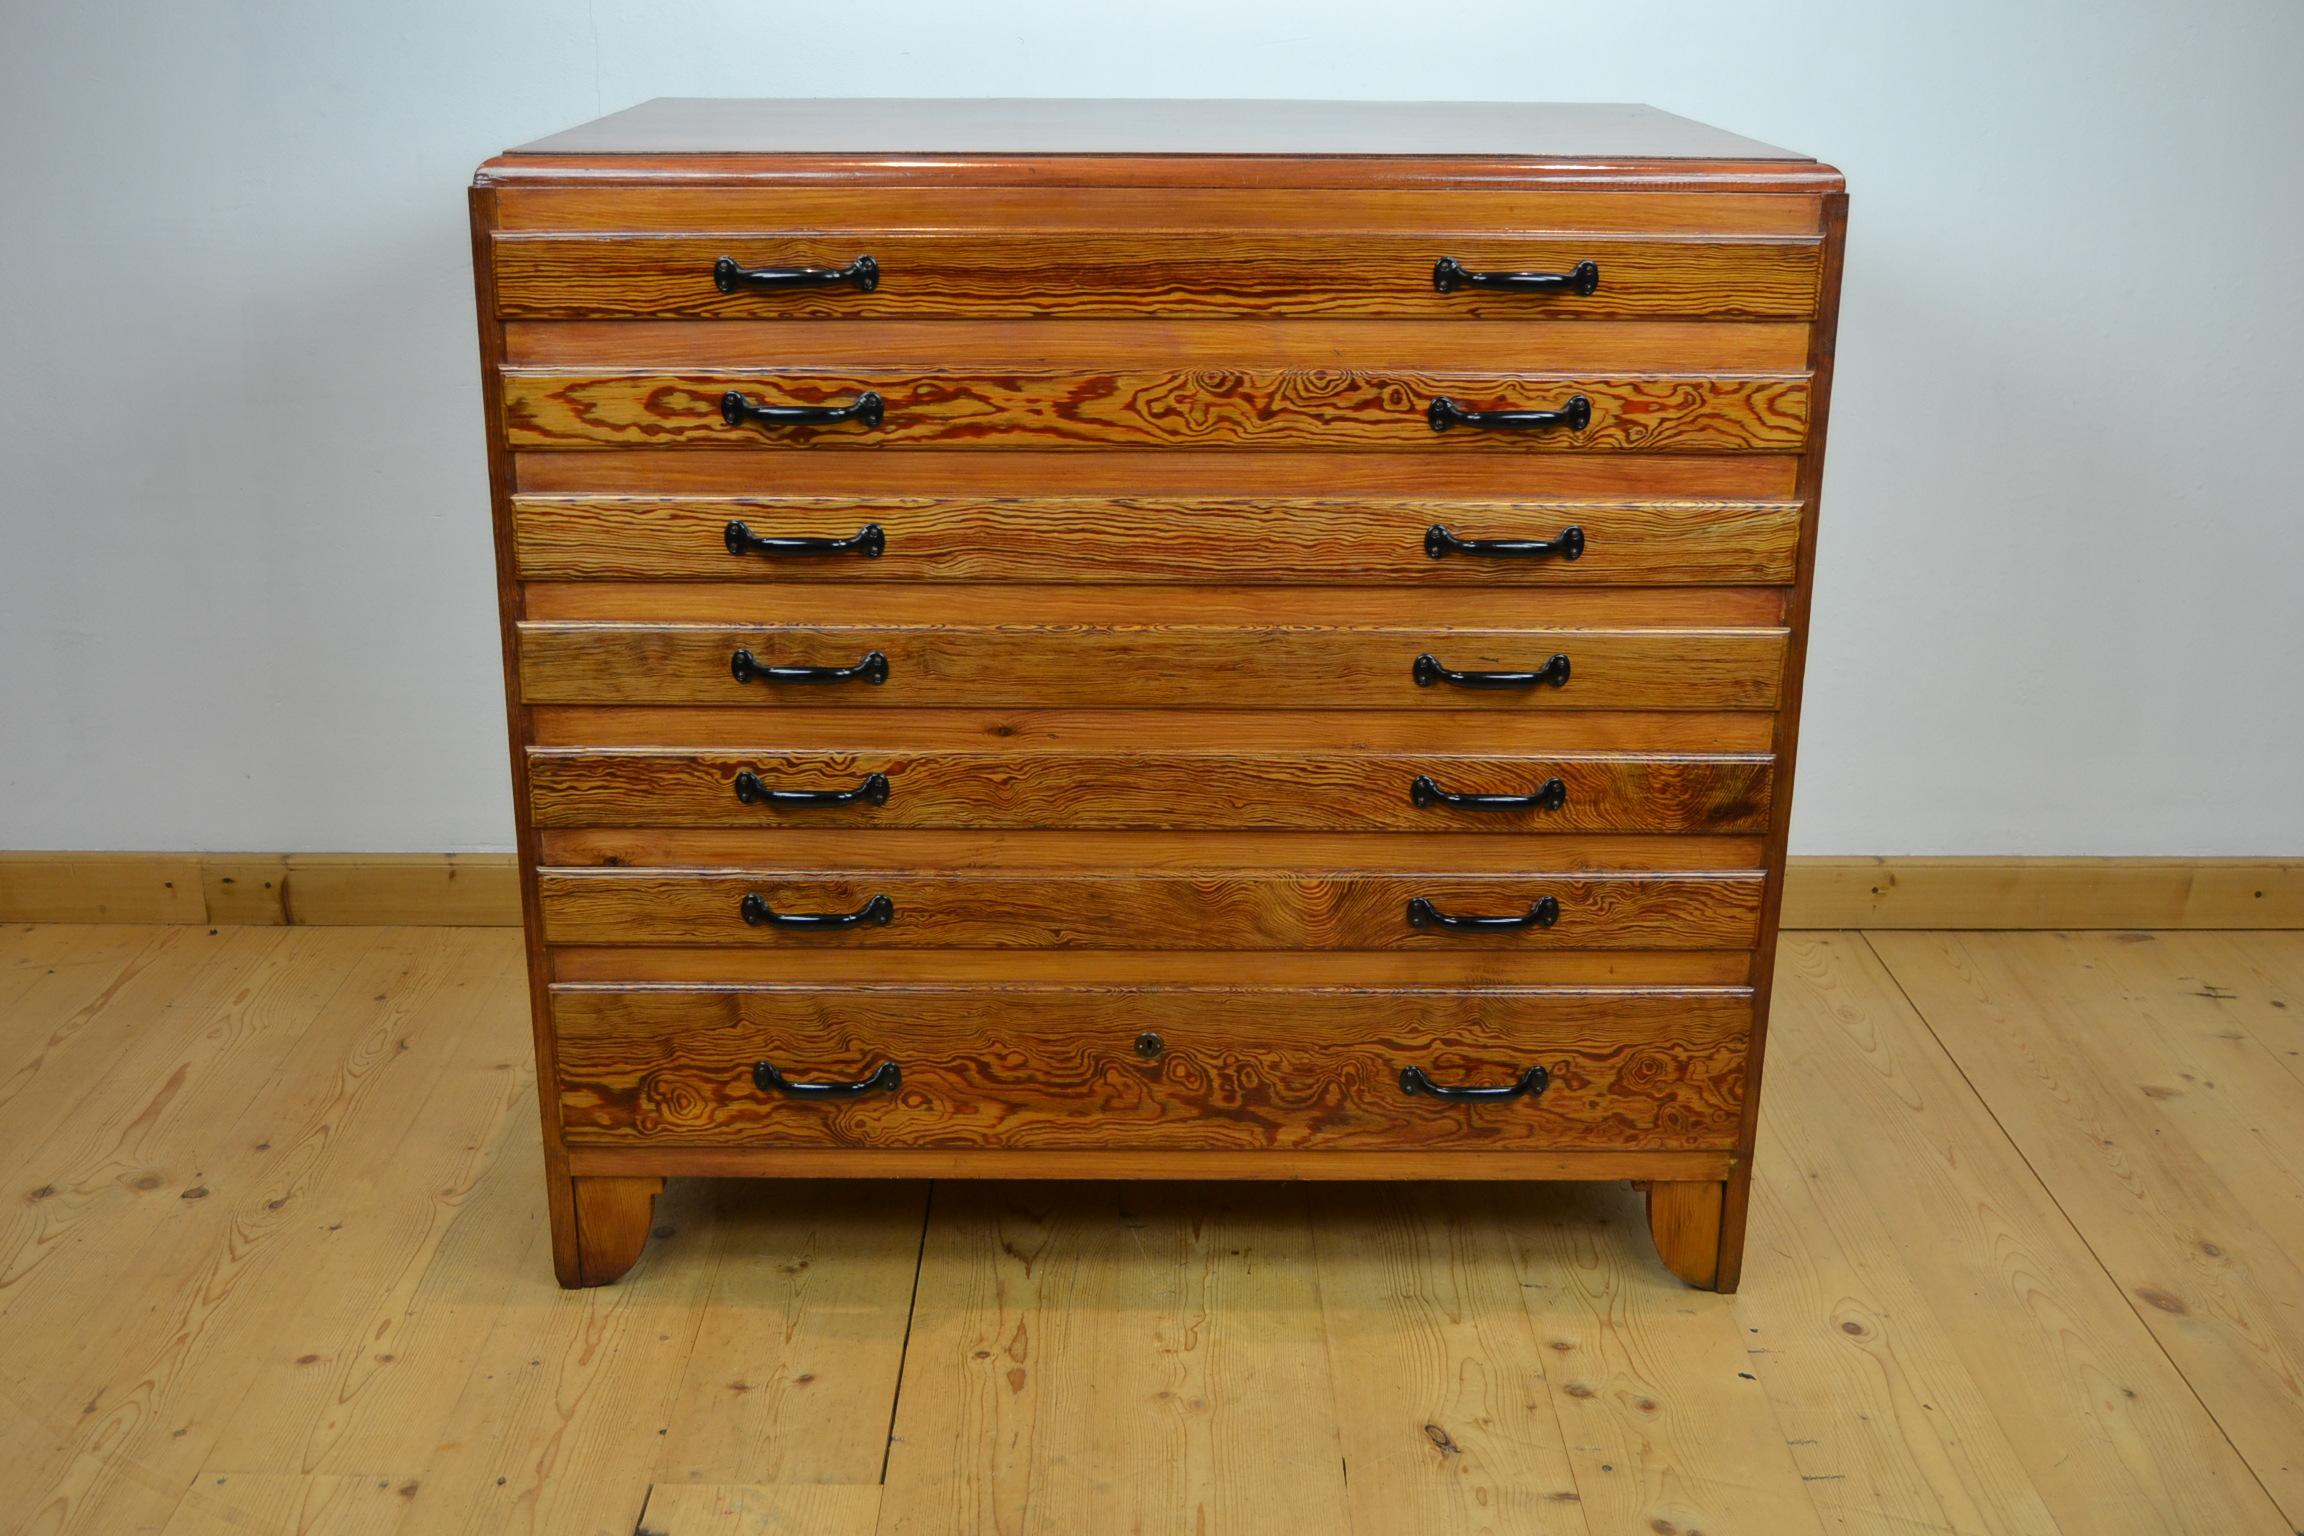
{"points": [[1149, 405], [1181, 1067], [1299, 791], [1154, 539], [1178, 665], [880, 273], [1163, 909]]}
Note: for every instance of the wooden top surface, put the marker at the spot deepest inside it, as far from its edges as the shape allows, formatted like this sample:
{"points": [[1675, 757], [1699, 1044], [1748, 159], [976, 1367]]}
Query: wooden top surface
{"points": [[1049, 126]]}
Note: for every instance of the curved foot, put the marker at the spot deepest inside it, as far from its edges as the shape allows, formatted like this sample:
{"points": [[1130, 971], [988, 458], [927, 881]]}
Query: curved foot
{"points": [[1686, 1218], [612, 1221]]}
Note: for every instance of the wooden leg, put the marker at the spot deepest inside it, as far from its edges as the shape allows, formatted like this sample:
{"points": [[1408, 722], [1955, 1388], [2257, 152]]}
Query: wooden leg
{"points": [[1685, 1218], [612, 1217]]}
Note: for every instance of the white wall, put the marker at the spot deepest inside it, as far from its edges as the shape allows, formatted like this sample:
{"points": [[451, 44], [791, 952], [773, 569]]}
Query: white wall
{"points": [[245, 599]]}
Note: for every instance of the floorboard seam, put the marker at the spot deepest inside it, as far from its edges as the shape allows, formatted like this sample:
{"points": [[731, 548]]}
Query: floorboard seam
{"points": [[2080, 1231], [911, 1312]]}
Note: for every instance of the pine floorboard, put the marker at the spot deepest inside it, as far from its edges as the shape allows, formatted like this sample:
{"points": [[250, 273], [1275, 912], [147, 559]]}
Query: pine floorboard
{"points": [[2026, 1256]]}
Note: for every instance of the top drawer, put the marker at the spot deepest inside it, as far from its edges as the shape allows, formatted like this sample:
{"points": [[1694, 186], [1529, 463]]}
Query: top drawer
{"points": [[867, 273]]}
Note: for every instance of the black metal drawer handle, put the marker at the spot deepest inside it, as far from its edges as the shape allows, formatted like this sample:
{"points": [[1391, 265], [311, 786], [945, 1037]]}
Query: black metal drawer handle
{"points": [[1422, 914], [746, 668], [729, 274], [879, 911], [873, 791], [1529, 1085], [1576, 415], [1552, 795], [1429, 671], [1583, 279], [867, 541], [736, 410], [767, 1079], [1439, 543]]}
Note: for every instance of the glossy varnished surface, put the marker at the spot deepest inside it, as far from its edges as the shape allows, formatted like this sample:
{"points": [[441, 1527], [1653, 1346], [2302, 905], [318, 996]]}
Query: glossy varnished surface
{"points": [[1152, 683], [1058, 126], [1225, 1068]]}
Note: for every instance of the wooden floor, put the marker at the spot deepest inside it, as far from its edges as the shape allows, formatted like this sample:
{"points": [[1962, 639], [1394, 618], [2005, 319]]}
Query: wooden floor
{"points": [[2027, 1256]]}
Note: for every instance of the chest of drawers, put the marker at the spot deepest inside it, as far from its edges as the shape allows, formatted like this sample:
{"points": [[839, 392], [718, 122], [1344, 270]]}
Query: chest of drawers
{"points": [[1130, 640]]}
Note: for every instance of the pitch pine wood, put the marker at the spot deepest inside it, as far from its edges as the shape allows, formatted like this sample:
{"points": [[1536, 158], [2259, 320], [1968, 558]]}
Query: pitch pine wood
{"points": [[1302, 909], [1965, 1359], [1298, 792], [1070, 1069], [1178, 666], [1088, 274], [1333, 409], [1200, 539], [1245, 340]]}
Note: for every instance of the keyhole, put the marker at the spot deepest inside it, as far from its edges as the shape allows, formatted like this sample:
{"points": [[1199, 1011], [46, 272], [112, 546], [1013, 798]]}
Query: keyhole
{"points": [[1149, 1045]]}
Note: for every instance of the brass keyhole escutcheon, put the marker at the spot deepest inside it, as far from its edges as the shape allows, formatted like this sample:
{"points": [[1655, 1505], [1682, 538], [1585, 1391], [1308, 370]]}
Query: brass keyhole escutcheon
{"points": [[1150, 1045]]}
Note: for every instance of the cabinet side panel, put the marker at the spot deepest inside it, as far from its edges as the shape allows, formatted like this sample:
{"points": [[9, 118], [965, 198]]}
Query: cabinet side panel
{"points": [[560, 1193], [1820, 358]]}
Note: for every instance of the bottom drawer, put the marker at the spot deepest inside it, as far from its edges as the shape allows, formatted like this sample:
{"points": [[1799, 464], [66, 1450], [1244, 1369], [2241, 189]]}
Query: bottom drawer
{"points": [[1085, 1067]]}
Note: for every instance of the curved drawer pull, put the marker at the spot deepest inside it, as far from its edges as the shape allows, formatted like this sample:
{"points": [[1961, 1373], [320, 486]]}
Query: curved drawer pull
{"points": [[1429, 671], [1583, 279], [746, 668], [1529, 1085], [1551, 795], [1576, 415], [888, 1079], [879, 911], [873, 791], [736, 410], [1439, 543], [729, 274], [867, 541], [1422, 914]]}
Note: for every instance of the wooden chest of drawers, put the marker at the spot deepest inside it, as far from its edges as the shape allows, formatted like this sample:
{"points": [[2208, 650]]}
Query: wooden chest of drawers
{"points": [[1072, 639]]}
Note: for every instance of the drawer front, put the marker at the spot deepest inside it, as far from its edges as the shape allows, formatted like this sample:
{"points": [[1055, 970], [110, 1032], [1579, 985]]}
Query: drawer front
{"points": [[1209, 666], [1148, 406], [1082, 1067], [1302, 791], [1217, 909], [1178, 539], [866, 273]]}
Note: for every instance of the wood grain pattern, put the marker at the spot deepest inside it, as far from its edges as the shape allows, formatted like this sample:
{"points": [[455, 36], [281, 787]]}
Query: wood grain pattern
{"points": [[1684, 1218], [1161, 790], [1199, 198], [1204, 272], [1076, 348], [1094, 850], [1331, 408], [1197, 539], [1201, 666], [1067, 606], [1038, 910], [2126, 1071], [612, 1220], [1303, 474], [831, 727], [1232, 1068], [638, 965]]}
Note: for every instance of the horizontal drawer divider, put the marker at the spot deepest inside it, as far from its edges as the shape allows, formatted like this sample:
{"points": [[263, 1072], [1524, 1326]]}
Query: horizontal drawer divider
{"points": [[1092, 849], [1161, 471]]}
